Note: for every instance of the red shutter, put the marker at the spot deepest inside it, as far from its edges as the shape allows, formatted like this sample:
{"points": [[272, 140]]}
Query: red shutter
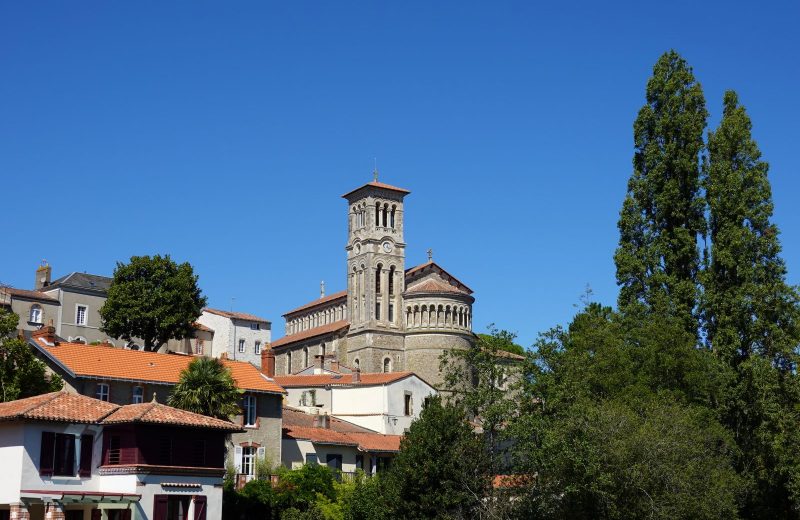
{"points": [[199, 507], [97, 514], [125, 514], [160, 507], [47, 453], [87, 445]]}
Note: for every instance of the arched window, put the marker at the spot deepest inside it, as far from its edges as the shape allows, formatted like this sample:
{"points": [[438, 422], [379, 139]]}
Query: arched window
{"points": [[305, 357], [356, 363], [289, 363], [377, 214], [36, 313], [378, 278], [385, 214], [391, 281], [387, 365], [391, 217], [322, 348]]}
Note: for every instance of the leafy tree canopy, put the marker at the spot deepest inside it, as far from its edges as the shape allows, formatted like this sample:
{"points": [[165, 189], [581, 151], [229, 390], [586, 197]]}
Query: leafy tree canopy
{"points": [[207, 387], [154, 299], [21, 373]]}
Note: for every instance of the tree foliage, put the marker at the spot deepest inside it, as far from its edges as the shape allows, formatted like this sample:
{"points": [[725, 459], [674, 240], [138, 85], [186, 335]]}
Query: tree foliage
{"points": [[21, 374], [154, 299], [207, 387]]}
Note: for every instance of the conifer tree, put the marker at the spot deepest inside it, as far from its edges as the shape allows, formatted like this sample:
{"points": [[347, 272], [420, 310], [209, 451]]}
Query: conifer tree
{"points": [[751, 315], [662, 217]]}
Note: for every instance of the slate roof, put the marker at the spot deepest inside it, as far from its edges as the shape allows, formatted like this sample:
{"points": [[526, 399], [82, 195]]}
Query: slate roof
{"points": [[63, 406], [91, 282], [300, 426], [236, 315], [319, 302], [99, 362], [368, 379], [311, 333]]}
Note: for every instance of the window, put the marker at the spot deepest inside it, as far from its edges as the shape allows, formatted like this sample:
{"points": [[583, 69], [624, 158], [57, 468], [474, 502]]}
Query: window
{"points": [[409, 408], [377, 310], [391, 313], [176, 507], [36, 313], [288, 362], [80, 315], [387, 365], [311, 458], [249, 410], [359, 462], [305, 357], [58, 454], [334, 461], [356, 363], [241, 345], [138, 395], [378, 279], [257, 348], [102, 392], [199, 453], [391, 281], [200, 347], [114, 452], [248, 460], [255, 326]]}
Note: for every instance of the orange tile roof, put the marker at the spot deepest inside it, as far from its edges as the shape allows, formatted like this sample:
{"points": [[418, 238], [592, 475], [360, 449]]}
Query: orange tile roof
{"points": [[376, 184], [134, 365], [435, 286], [33, 295], [236, 315], [410, 272], [200, 326], [369, 379], [336, 326], [319, 302], [57, 406], [300, 425], [157, 413]]}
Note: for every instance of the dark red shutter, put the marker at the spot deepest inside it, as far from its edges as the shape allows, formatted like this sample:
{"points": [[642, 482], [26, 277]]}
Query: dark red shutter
{"points": [[47, 453], [160, 507], [97, 514], [199, 507], [126, 514], [87, 445]]}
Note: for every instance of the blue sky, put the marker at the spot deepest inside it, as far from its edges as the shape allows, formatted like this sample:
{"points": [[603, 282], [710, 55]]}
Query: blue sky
{"points": [[225, 133]]}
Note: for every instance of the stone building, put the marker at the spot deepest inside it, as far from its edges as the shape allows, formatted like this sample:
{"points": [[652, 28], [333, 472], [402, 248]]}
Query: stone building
{"points": [[390, 318]]}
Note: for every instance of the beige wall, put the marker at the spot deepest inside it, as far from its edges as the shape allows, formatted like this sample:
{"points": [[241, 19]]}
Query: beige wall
{"points": [[22, 308]]}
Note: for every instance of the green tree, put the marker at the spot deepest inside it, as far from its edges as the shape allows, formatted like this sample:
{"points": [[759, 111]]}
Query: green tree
{"points": [[662, 216], [207, 387], [752, 316], [21, 374], [154, 299], [300, 488], [439, 471]]}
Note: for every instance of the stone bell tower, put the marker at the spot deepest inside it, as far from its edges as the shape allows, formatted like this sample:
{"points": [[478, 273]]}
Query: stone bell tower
{"points": [[375, 276]]}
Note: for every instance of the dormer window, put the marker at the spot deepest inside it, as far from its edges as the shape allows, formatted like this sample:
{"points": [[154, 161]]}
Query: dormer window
{"points": [[36, 313], [255, 326]]}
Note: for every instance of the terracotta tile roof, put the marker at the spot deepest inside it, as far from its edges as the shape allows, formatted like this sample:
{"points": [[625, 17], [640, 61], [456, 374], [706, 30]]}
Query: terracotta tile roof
{"points": [[319, 302], [133, 365], [300, 425], [33, 295], [57, 406], [412, 271], [369, 379], [510, 481], [376, 184], [435, 286], [236, 315], [200, 326], [508, 355], [157, 413], [336, 326]]}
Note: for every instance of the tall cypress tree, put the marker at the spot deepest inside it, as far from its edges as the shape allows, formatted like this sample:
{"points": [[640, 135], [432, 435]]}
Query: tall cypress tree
{"points": [[662, 217], [751, 316]]}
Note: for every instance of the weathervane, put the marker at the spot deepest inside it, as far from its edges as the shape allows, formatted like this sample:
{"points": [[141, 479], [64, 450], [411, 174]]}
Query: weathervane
{"points": [[430, 255]]}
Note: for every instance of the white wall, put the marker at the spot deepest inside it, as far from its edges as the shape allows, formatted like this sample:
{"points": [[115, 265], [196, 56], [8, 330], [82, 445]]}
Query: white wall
{"points": [[11, 453], [227, 334], [295, 451]]}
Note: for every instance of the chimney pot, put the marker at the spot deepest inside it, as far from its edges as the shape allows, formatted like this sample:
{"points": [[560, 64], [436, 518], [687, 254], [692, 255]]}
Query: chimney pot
{"points": [[357, 375]]}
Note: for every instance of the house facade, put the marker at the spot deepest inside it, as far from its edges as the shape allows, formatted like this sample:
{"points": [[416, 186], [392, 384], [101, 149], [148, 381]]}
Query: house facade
{"points": [[123, 377], [71, 457], [236, 335]]}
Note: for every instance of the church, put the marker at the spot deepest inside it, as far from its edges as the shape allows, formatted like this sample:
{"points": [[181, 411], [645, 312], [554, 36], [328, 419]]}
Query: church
{"points": [[390, 318]]}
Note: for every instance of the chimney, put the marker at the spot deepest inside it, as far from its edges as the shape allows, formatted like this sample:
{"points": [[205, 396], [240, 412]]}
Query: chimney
{"points": [[319, 363], [357, 375], [322, 421], [268, 362], [335, 365], [47, 333], [42, 276]]}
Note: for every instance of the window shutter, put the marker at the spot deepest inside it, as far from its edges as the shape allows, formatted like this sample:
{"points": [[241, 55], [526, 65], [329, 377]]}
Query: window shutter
{"points": [[125, 514], [47, 453], [97, 514], [199, 507], [160, 507], [237, 458], [261, 453], [87, 443]]}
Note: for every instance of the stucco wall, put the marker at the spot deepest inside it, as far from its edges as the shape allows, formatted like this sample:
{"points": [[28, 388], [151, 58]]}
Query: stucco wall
{"points": [[269, 408], [11, 455]]}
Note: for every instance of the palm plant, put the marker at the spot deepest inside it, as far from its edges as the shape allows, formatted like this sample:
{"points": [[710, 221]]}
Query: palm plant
{"points": [[207, 387]]}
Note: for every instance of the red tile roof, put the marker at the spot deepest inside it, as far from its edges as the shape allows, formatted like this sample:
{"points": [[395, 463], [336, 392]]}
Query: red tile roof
{"points": [[299, 425], [200, 326], [157, 413], [436, 287], [369, 379], [336, 326], [236, 315], [33, 295], [376, 184], [430, 264], [132, 365], [320, 302], [57, 406], [75, 408]]}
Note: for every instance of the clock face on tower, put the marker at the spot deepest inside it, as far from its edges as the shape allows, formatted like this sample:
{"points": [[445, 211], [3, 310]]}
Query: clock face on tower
{"points": [[387, 247]]}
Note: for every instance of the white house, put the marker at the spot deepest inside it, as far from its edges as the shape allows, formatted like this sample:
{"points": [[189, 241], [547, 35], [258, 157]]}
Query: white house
{"points": [[237, 335], [72, 457], [382, 402]]}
